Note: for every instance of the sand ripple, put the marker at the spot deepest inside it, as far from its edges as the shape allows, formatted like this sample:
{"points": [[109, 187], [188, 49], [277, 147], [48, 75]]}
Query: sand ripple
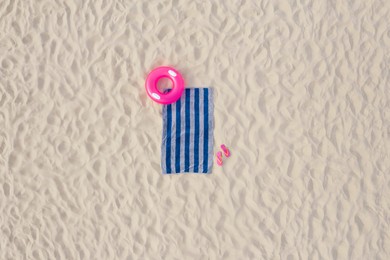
{"points": [[302, 99]]}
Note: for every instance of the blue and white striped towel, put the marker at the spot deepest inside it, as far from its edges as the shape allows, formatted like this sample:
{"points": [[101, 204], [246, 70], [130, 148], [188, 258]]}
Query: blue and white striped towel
{"points": [[188, 124]]}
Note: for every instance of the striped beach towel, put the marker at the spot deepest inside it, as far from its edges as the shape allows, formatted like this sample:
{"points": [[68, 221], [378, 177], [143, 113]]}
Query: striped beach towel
{"points": [[187, 143]]}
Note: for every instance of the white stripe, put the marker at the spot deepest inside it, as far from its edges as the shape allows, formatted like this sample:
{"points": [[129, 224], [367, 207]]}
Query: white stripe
{"points": [[192, 128], [201, 128], [183, 127], [211, 128]]}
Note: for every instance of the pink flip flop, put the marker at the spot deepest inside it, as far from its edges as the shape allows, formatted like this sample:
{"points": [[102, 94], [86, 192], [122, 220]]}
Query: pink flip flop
{"points": [[225, 150], [219, 158]]}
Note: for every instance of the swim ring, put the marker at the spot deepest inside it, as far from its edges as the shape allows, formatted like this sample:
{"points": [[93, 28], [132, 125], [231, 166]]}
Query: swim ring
{"points": [[164, 72]]}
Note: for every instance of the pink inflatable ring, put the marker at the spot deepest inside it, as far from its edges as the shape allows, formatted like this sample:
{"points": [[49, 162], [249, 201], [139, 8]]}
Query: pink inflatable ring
{"points": [[164, 72]]}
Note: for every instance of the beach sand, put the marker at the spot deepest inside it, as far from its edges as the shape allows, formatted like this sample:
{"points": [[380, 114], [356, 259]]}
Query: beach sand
{"points": [[302, 99]]}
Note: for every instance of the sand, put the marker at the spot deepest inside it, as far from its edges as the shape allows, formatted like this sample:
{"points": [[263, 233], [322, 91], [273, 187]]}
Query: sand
{"points": [[302, 100]]}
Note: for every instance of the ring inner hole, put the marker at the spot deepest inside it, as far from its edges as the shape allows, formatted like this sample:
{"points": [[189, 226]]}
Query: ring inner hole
{"points": [[164, 85]]}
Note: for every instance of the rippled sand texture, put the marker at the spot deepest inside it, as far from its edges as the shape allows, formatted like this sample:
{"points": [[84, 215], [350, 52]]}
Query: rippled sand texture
{"points": [[302, 99]]}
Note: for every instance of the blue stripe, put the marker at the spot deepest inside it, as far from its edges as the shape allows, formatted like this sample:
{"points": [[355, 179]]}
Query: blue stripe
{"points": [[187, 131], [206, 129], [196, 134], [168, 140], [178, 134]]}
